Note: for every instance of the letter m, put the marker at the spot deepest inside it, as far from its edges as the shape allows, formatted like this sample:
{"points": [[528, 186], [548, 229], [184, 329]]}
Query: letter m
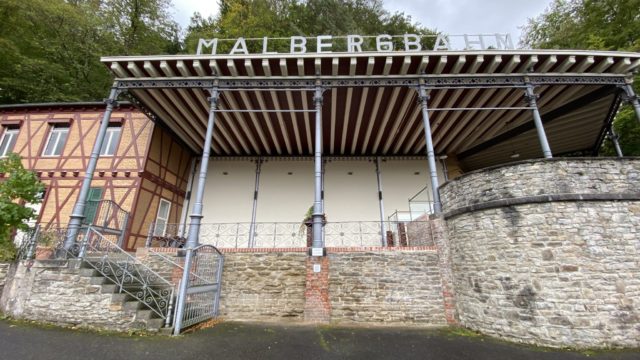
{"points": [[204, 43]]}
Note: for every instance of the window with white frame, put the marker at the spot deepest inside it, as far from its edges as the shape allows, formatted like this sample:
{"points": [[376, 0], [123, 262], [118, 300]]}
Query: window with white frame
{"points": [[8, 141], [111, 140], [162, 218], [57, 138]]}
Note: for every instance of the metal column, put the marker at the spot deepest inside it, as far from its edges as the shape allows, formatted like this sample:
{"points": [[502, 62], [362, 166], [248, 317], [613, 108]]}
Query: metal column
{"points": [[531, 98], [431, 157], [616, 144], [252, 229], [383, 229], [77, 214], [632, 99], [317, 204], [196, 214]]}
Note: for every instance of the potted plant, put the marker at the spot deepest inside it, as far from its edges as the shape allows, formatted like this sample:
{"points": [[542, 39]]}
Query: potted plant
{"points": [[45, 242]]}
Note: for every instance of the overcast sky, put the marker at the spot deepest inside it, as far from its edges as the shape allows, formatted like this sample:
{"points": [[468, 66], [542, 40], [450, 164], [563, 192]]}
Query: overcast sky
{"points": [[448, 16]]}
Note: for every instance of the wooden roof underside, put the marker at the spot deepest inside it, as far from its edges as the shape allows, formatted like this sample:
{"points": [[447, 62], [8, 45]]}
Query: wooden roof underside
{"points": [[385, 121]]}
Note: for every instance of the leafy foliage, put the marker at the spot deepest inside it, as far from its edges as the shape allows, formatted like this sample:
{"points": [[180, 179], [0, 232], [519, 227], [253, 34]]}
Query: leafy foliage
{"points": [[594, 25], [51, 48], [275, 18], [19, 186]]}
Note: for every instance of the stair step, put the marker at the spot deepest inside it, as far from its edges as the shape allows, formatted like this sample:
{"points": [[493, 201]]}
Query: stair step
{"points": [[155, 324], [88, 272], [146, 314], [109, 288], [98, 280], [133, 304], [121, 298]]}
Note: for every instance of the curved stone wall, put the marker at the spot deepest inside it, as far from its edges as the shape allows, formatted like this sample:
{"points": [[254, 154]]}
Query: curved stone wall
{"points": [[548, 251]]}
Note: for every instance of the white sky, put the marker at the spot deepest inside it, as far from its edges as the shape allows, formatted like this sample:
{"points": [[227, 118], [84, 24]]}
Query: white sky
{"points": [[449, 16]]}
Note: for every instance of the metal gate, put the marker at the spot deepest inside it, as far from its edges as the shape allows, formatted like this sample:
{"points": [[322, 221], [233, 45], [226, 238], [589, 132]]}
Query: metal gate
{"points": [[199, 295]]}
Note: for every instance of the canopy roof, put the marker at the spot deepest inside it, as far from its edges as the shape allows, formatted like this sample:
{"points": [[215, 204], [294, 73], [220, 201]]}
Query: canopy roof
{"points": [[370, 104]]}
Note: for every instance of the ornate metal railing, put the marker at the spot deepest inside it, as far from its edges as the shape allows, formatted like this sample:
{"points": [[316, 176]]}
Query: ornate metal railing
{"points": [[108, 217], [127, 273], [289, 234], [41, 242]]}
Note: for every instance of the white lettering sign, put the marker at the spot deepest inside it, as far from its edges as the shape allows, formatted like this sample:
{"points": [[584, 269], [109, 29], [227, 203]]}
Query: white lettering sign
{"points": [[359, 43], [298, 45]]}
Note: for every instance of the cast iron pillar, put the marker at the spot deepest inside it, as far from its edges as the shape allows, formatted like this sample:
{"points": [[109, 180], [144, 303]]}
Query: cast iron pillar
{"points": [[252, 229], [383, 229], [77, 215], [616, 144], [431, 156], [632, 98], [531, 99], [317, 204], [196, 214]]}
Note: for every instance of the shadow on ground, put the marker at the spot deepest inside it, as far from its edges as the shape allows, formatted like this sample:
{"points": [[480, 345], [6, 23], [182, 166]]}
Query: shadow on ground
{"points": [[268, 341]]}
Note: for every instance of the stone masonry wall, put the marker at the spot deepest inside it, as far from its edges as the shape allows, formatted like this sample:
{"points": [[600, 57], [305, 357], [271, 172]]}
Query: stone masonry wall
{"points": [[4, 268], [560, 272], [543, 177], [390, 287], [267, 286], [53, 291]]}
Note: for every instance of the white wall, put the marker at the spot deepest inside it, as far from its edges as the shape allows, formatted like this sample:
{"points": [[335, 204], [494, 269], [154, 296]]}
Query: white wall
{"points": [[286, 189]]}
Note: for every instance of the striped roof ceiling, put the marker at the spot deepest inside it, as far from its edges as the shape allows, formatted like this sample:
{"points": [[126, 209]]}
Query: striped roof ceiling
{"points": [[384, 121]]}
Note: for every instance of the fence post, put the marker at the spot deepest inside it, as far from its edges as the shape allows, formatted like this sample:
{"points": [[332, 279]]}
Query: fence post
{"points": [[150, 234], [124, 230], [182, 293], [33, 241]]}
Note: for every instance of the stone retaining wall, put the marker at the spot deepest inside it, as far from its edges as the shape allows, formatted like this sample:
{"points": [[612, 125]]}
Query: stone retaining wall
{"points": [[559, 272], [4, 268], [529, 178], [53, 291], [263, 286], [390, 287]]}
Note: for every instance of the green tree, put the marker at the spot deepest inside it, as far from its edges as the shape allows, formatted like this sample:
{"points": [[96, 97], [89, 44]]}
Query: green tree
{"points": [[284, 18], [593, 25], [51, 49], [19, 186]]}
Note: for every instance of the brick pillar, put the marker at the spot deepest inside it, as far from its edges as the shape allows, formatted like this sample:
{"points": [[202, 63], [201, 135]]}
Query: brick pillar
{"points": [[317, 306], [439, 236]]}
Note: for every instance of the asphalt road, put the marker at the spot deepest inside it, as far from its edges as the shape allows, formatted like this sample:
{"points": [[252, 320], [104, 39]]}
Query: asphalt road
{"points": [[267, 341]]}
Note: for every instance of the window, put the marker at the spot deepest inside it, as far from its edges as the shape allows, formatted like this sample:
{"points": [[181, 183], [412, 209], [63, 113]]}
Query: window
{"points": [[91, 208], [162, 218], [57, 139], [111, 139], [8, 141]]}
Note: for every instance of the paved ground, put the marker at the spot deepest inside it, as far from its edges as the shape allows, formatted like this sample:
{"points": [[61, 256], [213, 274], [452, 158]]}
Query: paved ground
{"points": [[266, 341]]}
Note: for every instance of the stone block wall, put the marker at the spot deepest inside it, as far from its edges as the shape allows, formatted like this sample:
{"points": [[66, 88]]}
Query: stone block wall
{"points": [[53, 291], [390, 287], [4, 268], [267, 286], [525, 179], [561, 270]]}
